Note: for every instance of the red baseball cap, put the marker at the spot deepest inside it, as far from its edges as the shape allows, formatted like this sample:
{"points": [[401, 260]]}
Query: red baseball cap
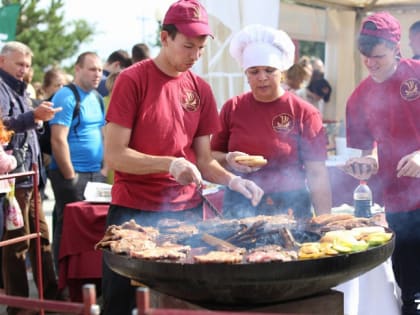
{"points": [[189, 17], [387, 27]]}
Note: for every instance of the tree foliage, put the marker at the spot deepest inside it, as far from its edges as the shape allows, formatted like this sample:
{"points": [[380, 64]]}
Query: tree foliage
{"points": [[45, 31], [307, 48]]}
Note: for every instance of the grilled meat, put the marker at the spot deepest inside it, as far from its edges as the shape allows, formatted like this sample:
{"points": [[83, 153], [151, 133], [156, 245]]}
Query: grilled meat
{"points": [[270, 253], [249, 240], [224, 257], [127, 245], [330, 217], [159, 253]]}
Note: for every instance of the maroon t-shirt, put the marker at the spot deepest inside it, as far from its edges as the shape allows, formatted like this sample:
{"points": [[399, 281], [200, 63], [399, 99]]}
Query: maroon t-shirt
{"points": [[287, 132], [165, 114], [388, 113]]}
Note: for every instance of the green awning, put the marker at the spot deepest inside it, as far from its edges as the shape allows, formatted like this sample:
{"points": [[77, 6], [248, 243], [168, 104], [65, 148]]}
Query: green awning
{"points": [[8, 20]]}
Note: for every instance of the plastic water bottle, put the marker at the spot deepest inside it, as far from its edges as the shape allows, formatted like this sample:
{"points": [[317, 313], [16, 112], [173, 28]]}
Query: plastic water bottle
{"points": [[362, 200]]}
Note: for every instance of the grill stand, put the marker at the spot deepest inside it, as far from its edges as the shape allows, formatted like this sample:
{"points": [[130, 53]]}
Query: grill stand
{"points": [[150, 302]]}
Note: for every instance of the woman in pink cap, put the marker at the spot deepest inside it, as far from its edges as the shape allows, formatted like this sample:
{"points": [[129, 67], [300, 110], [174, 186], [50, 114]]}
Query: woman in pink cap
{"points": [[383, 120], [276, 124]]}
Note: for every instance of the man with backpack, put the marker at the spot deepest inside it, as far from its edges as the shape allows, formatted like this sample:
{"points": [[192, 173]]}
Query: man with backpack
{"points": [[76, 139]]}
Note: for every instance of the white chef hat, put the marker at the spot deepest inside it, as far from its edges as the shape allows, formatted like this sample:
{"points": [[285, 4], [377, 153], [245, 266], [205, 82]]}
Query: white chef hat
{"points": [[259, 45]]}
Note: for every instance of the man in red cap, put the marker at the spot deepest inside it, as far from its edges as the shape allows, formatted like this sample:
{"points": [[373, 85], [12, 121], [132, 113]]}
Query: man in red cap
{"points": [[157, 139], [383, 120]]}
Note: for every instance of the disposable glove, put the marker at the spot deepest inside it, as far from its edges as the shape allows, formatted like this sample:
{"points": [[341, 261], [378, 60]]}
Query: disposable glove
{"points": [[247, 188], [230, 158], [185, 172], [361, 168]]}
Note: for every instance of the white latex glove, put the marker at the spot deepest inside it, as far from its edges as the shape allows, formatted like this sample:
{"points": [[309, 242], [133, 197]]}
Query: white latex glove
{"points": [[409, 165], [185, 172], [247, 188], [361, 168], [230, 158]]}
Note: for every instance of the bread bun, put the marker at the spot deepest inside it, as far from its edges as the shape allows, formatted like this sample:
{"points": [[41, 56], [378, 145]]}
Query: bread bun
{"points": [[251, 160]]}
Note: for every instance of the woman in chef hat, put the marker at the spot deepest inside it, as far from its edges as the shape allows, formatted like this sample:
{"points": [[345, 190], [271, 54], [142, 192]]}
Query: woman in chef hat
{"points": [[276, 124]]}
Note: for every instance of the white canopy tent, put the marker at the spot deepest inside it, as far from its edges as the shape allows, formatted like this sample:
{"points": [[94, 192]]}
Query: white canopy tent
{"points": [[334, 22]]}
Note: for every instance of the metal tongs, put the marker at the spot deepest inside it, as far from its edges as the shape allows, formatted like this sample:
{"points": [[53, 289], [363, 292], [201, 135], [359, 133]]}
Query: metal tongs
{"points": [[210, 204]]}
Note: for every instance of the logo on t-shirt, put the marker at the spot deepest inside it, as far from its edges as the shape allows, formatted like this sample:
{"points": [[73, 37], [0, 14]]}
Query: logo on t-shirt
{"points": [[190, 101], [410, 89], [282, 123]]}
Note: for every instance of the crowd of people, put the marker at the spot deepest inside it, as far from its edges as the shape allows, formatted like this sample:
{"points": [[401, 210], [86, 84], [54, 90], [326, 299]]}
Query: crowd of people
{"points": [[71, 157], [157, 143]]}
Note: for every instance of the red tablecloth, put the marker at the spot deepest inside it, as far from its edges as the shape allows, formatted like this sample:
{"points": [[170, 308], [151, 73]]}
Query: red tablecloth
{"points": [[79, 262]]}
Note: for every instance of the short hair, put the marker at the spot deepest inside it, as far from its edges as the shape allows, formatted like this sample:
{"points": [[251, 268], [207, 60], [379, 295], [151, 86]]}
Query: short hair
{"points": [[171, 29], [10, 47], [81, 58], [139, 52], [366, 43], [415, 27], [121, 56]]}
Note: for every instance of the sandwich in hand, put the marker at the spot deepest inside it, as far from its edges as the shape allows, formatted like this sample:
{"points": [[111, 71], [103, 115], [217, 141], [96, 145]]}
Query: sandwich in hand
{"points": [[251, 160]]}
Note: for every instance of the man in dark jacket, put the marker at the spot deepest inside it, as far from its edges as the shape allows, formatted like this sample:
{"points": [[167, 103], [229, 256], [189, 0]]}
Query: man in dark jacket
{"points": [[17, 115]]}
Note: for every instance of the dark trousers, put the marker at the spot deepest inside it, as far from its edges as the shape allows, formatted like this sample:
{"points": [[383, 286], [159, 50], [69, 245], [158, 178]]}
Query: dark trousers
{"points": [[406, 257], [14, 256], [2, 223], [67, 191], [117, 292]]}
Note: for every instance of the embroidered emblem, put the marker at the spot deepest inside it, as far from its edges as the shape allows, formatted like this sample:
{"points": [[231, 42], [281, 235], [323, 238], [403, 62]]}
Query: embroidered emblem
{"points": [[410, 89], [282, 123], [197, 13], [190, 101]]}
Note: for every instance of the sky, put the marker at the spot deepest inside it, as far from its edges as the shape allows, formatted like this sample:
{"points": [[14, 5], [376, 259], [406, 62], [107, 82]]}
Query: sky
{"points": [[119, 24]]}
